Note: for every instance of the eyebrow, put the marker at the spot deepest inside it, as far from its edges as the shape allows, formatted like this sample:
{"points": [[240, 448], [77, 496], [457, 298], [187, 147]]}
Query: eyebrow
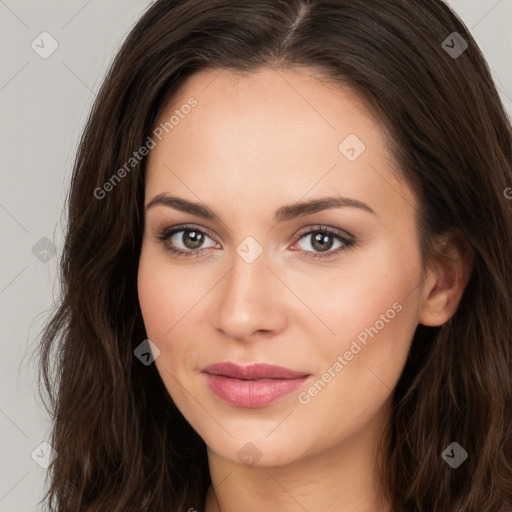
{"points": [[284, 213]]}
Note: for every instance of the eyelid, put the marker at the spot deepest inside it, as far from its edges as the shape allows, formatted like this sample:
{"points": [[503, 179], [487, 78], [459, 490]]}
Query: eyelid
{"points": [[169, 231], [329, 229]]}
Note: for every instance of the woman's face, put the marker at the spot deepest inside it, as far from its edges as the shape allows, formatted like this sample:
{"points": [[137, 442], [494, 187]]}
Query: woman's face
{"points": [[332, 291]]}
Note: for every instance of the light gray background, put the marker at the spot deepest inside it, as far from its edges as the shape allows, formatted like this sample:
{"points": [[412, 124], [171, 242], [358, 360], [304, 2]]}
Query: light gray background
{"points": [[44, 104]]}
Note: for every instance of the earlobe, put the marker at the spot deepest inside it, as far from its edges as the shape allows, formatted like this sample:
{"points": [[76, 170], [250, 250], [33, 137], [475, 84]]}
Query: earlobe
{"points": [[445, 284]]}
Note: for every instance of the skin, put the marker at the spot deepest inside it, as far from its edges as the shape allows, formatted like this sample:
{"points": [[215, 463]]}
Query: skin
{"points": [[251, 145]]}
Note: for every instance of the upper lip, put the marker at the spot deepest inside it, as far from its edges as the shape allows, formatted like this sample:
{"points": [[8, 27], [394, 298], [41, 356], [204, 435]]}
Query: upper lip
{"points": [[253, 371]]}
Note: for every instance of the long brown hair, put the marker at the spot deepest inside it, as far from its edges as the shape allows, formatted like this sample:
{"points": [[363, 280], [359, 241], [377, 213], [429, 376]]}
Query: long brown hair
{"points": [[122, 444]]}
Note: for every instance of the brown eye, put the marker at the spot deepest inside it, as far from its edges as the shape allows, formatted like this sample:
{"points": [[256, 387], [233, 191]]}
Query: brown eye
{"points": [[322, 240], [184, 241], [192, 239]]}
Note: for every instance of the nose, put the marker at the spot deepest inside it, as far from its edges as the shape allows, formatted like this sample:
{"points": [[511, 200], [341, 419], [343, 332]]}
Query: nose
{"points": [[250, 301]]}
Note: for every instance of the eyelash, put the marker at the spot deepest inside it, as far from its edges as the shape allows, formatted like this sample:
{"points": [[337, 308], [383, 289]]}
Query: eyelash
{"points": [[167, 233]]}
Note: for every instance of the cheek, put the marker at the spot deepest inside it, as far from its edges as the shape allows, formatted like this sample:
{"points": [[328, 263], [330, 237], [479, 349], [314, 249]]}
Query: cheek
{"points": [[373, 313], [170, 298], [160, 296], [167, 299], [162, 305], [373, 296], [360, 366], [155, 299]]}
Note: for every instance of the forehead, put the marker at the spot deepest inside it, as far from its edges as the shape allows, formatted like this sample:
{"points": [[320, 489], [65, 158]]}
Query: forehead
{"points": [[272, 132]]}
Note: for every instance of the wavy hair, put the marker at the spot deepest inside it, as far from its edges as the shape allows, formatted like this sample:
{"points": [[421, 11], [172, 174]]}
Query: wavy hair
{"points": [[122, 443]]}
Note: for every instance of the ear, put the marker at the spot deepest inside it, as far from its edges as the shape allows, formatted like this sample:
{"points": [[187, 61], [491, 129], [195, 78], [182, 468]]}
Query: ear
{"points": [[446, 281]]}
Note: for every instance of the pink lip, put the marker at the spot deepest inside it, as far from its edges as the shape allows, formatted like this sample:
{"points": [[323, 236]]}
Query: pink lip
{"points": [[254, 385]]}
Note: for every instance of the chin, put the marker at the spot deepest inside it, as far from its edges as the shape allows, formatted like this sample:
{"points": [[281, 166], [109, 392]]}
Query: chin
{"points": [[256, 452]]}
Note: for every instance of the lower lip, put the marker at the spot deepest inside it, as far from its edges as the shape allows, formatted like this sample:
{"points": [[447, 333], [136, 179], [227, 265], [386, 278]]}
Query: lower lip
{"points": [[252, 393]]}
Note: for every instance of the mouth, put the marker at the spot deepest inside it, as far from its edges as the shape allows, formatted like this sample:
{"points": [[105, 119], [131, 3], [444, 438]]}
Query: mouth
{"points": [[254, 385]]}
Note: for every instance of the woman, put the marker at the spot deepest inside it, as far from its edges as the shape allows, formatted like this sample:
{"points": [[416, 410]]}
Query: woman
{"points": [[286, 277]]}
